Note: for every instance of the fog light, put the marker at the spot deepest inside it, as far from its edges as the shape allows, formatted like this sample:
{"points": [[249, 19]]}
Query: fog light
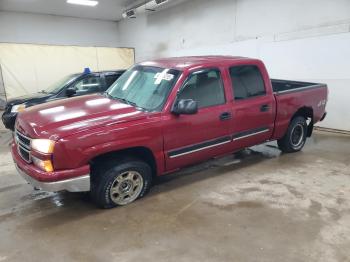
{"points": [[45, 165]]}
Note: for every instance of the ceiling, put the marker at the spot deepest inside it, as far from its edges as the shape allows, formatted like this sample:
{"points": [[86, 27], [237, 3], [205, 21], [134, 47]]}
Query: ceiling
{"points": [[105, 10]]}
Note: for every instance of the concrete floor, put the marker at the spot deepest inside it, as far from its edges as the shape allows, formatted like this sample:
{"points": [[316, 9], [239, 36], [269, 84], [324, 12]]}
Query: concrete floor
{"points": [[258, 205]]}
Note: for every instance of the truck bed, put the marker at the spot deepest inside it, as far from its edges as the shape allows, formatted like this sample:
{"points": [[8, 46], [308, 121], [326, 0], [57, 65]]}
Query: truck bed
{"points": [[287, 86]]}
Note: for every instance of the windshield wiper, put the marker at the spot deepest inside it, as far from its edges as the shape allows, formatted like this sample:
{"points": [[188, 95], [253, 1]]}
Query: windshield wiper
{"points": [[131, 104], [125, 101]]}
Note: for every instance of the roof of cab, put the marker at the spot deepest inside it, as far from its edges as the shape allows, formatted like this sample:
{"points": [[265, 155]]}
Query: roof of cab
{"points": [[188, 62]]}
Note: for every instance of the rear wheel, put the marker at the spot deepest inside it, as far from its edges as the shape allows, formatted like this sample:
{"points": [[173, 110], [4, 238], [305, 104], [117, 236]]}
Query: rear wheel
{"points": [[295, 138], [120, 182]]}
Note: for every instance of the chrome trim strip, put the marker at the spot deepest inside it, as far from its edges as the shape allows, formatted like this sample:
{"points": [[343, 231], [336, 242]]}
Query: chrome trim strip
{"points": [[200, 149], [16, 131], [252, 134], [25, 149], [21, 145], [78, 184], [29, 161], [240, 135]]}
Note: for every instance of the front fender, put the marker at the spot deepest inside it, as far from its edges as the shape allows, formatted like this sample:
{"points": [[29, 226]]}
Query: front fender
{"points": [[79, 149]]}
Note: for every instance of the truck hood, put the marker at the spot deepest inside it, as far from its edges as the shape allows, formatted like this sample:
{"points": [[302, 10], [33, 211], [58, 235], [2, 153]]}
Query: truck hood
{"points": [[62, 118]]}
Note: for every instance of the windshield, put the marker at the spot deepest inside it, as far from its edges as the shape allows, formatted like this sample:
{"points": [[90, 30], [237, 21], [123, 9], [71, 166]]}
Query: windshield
{"points": [[57, 86], [145, 87]]}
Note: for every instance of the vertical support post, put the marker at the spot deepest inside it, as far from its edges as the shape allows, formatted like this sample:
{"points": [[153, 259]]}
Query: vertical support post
{"points": [[3, 96]]}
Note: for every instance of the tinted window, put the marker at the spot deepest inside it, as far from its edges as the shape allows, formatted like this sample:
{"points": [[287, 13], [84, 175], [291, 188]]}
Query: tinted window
{"points": [[89, 84], [206, 88], [110, 79], [246, 82]]}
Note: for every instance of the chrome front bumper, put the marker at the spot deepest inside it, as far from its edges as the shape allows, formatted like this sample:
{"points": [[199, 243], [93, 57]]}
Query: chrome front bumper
{"points": [[78, 184]]}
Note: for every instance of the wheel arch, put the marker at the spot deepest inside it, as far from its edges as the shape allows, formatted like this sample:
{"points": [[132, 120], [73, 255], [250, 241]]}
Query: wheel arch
{"points": [[140, 152], [308, 114]]}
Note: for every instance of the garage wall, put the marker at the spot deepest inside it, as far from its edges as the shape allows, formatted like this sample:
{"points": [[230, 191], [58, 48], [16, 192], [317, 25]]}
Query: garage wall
{"points": [[29, 68], [56, 30], [301, 40], [60, 46]]}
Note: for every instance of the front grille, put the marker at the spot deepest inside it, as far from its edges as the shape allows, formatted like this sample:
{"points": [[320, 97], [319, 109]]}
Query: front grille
{"points": [[24, 154], [23, 146]]}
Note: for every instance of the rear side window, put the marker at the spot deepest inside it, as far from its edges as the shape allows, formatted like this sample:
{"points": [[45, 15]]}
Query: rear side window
{"points": [[247, 82], [110, 79], [204, 87]]}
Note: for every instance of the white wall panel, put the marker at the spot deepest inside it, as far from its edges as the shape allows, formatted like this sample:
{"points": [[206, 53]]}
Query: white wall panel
{"points": [[301, 40], [262, 17], [56, 30], [36, 72], [323, 59]]}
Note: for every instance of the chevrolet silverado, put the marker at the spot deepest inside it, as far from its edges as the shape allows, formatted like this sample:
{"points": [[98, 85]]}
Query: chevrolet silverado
{"points": [[158, 117]]}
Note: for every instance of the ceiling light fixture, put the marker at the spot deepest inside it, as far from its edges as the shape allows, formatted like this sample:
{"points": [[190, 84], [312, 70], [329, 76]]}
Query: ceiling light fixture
{"points": [[83, 2]]}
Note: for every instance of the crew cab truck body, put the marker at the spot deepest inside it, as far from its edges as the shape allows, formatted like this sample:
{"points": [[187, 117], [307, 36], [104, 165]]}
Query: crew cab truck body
{"points": [[158, 117]]}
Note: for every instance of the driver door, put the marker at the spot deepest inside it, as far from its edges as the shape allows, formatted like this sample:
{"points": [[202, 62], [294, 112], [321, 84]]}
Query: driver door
{"points": [[193, 138]]}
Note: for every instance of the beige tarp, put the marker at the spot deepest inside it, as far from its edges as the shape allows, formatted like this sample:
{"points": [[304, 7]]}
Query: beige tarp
{"points": [[28, 68]]}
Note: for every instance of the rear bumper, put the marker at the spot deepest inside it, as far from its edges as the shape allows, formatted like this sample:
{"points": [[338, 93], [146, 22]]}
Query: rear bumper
{"points": [[9, 120], [73, 180], [324, 116]]}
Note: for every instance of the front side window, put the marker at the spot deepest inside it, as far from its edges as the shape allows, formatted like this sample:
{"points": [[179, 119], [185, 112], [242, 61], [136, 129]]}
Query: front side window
{"points": [[204, 87], [89, 84], [246, 82], [145, 87]]}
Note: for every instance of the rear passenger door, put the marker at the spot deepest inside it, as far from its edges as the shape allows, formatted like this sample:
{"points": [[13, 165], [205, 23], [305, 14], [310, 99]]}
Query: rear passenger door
{"points": [[192, 138], [253, 106]]}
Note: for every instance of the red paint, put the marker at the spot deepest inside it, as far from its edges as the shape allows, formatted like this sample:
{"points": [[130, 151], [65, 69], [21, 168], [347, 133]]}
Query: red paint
{"points": [[88, 126]]}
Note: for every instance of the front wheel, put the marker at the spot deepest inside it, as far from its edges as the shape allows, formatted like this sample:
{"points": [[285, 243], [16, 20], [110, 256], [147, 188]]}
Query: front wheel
{"points": [[120, 182], [295, 138]]}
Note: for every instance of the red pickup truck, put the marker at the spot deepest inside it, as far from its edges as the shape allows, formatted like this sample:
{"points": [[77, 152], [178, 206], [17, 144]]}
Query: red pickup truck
{"points": [[158, 117]]}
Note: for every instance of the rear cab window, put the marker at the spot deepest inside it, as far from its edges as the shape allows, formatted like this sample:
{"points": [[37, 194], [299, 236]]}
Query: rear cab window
{"points": [[247, 82]]}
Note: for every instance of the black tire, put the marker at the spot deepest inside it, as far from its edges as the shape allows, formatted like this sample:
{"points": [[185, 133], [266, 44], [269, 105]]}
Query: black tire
{"points": [[104, 180], [295, 137]]}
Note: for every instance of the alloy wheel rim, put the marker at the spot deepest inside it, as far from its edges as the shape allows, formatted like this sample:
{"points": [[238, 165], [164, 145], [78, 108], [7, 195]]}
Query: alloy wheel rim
{"points": [[126, 187], [297, 135]]}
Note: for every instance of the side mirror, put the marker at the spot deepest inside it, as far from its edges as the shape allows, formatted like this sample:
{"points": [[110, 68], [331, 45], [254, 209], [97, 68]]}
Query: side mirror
{"points": [[185, 107], [70, 91]]}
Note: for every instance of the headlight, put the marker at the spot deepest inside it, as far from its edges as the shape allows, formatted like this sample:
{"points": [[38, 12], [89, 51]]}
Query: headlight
{"points": [[45, 146], [45, 165], [18, 108]]}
